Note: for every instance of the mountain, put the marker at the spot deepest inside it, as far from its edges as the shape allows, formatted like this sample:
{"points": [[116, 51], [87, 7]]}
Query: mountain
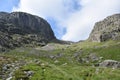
{"points": [[107, 29], [18, 29], [35, 54]]}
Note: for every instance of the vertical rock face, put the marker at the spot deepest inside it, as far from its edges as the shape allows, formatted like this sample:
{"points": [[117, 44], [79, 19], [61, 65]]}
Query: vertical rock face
{"points": [[108, 29], [22, 28], [28, 23]]}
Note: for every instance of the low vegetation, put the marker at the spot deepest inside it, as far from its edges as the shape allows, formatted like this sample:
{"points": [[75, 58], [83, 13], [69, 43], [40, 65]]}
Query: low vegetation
{"points": [[63, 62]]}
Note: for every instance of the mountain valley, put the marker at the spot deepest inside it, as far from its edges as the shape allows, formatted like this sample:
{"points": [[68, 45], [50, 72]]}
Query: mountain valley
{"points": [[30, 51]]}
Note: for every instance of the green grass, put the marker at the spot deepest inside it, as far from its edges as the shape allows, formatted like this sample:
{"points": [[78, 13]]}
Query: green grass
{"points": [[67, 67], [53, 72]]}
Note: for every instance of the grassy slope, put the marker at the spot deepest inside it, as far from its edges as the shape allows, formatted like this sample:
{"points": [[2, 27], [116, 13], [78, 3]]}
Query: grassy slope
{"points": [[67, 67], [108, 50]]}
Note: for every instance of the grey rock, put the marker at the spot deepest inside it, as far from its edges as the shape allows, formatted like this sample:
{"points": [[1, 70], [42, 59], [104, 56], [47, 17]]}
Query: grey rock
{"points": [[107, 29], [110, 63], [89, 58], [93, 57], [19, 29], [8, 67], [10, 78], [26, 23], [59, 55], [29, 73]]}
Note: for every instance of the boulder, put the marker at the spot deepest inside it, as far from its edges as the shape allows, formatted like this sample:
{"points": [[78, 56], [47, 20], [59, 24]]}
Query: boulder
{"points": [[110, 63]]}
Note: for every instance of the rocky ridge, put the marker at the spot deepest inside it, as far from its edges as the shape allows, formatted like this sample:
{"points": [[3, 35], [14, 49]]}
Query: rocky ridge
{"points": [[107, 29], [18, 29]]}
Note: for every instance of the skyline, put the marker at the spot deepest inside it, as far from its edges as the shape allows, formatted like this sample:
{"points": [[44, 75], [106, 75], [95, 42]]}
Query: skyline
{"points": [[70, 20]]}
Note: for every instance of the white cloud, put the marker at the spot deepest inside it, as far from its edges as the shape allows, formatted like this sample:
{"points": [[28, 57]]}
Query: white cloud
{"points": [[81, 22], [77, 16], [45, 8]]}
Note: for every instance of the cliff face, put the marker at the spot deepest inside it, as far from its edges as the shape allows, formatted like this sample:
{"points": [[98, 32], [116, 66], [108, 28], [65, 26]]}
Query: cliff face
{"points": [[108, 29], [27, 23], [20, 28]]}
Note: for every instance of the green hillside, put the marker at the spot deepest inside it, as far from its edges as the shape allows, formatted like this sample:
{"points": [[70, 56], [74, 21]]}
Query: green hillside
{"points": [[63, 62]]}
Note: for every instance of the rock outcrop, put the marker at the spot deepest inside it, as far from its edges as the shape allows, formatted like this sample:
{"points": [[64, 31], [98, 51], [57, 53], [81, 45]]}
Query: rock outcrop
{"points": [[108, 29], [18, 28], [110, 63]]}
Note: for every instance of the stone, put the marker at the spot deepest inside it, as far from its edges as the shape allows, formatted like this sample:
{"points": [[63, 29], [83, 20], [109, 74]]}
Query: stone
{"points": [[93, 57], [110, 63], [29, 73], [19, 28], [10, 78], [107, 29], [56, 61]]}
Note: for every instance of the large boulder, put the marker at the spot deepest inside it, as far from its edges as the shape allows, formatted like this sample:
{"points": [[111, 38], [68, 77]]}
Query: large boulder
{"points": [[107, 29], [110, 63]]}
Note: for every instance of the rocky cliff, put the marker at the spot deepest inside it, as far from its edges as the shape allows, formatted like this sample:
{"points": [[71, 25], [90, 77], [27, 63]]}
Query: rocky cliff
{"points": [[107, 29], [18, 28]]}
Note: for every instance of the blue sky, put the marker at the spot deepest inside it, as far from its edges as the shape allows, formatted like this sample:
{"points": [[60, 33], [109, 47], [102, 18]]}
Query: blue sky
{"points": [[58, 31], [7, 5], [70, 20]]}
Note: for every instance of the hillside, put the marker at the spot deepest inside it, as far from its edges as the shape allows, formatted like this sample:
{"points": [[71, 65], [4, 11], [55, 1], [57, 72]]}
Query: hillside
{"points": [[23, 29], [87, 60]]}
